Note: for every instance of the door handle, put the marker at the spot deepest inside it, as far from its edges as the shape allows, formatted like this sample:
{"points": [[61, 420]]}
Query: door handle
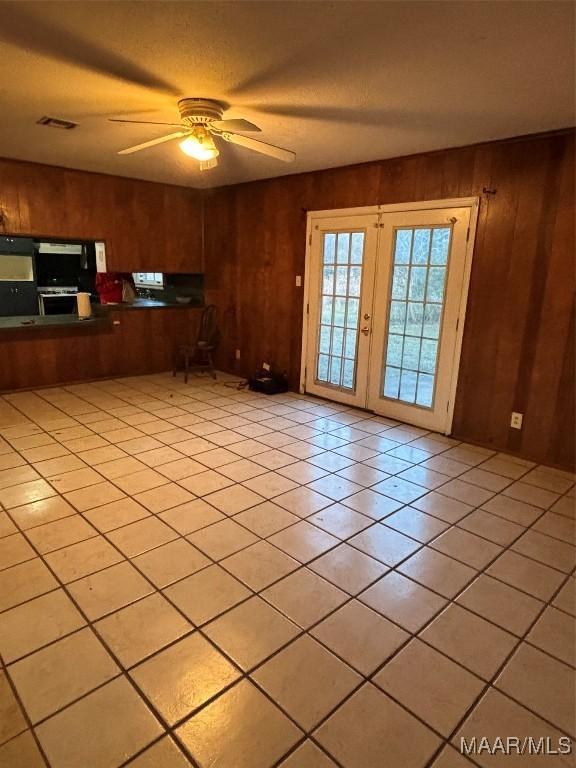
{"points": [[365, 330]]}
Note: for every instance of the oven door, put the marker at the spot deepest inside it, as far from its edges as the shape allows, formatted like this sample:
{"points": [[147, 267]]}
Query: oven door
{"points": [[57, 304]]}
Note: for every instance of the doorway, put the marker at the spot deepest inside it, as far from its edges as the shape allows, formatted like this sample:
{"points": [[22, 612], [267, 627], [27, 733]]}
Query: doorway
{"points": [[385, 299]]}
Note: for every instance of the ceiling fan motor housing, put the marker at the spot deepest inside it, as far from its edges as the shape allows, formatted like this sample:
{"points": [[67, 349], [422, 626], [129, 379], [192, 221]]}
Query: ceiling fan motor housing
{"points": [[200, 111]]}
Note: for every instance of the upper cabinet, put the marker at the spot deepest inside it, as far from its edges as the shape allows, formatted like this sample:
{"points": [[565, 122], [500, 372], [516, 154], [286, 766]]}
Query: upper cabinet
{"points": [[146, 226]]}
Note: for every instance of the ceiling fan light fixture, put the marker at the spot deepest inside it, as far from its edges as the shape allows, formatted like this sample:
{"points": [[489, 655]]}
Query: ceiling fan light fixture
{"points": [[200, 145]]}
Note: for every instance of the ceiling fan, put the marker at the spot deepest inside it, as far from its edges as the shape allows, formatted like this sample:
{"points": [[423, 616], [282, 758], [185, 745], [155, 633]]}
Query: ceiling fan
{"points": [[201, 120]]}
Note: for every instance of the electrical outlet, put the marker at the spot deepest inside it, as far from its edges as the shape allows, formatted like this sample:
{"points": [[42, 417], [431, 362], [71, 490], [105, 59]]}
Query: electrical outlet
{"points": [[516, 420], [266, 366], [237, 354], [298, 281]]}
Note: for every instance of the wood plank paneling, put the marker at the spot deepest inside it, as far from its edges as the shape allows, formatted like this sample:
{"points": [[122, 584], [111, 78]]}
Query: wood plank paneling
{"points": [[146, 226], [518, 347], [142, 342]]}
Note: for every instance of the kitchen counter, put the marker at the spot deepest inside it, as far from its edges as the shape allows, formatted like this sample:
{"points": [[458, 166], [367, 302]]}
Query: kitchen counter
{"points": [[45, 321], [148, 304]]}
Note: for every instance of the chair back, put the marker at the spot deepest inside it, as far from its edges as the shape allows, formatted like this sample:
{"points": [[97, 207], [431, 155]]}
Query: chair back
{"points": [[208, 333]]}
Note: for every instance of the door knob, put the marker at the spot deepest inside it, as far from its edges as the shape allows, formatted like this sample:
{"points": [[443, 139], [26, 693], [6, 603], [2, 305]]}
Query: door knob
{"points": [[365, 330], [366, 316]]}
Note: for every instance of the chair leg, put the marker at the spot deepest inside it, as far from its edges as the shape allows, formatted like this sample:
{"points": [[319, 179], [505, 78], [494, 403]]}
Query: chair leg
{"points": [[211, 364]]}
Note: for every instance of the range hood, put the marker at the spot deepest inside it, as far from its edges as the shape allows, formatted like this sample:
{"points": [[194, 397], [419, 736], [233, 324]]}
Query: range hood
{"points": [[72, 249]]}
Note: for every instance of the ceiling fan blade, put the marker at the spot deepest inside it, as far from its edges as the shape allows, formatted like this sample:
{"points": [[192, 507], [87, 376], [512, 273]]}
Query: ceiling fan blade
{"points": [[278, 153], [234, 125], [153, 142], [205, 165], [25, 29], [142, 122]]}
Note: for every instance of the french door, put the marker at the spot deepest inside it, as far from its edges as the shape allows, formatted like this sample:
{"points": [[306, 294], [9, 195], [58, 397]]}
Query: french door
{"points": [[386, 291]]}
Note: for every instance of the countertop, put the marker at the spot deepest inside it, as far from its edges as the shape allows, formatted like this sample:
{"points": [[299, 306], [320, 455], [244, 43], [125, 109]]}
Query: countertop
{"points": [[45, 321], [146, 304]]}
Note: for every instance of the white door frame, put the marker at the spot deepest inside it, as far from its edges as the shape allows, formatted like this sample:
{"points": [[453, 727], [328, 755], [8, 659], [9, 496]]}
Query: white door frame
{"points": [[462, 202]]}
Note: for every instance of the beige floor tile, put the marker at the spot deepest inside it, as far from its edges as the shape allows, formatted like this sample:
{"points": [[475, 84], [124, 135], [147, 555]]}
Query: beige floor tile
{"points": [[171, 562], [418, 525], [251, 632], [547, 550], [450, 758], [565, 599], [163, 754], [510, 609], [505, 467], [222, 539], [348, 568], [466, 492], [466, 547], [487, 480], [308, 756], [538, 497], [80, 559], [96, 456], [302, 501], [206, 482], [72, 481], [434, 688], [497, 717], [206, 594], [235, 499], [108, 590], [303, 541], [437, 571], [7, 527], [360, 636], [491, 527], [23, 582], [558, 526], [163, 498], [60, 533], [139, 537], [182, 677], [14, 549], [526, 574], [243, 469], [363, 475], [115, 514], [369, 725], [340, 521], [443, 507], [385, 544], [403, 601], [542, 684], [373, 504], [101, 730], [12, 721], [260, 564], [302, 472], [555, 633], [40, 512], [513, 510], [25, 493], [478, 645], [57, 466], [21, 752], [95, 495], [120, 467], [158, 456], [17, 476], [304, 597], [335, 487], [191, 516], [142, 628], [62, 672], [306, 680], [240, 729], [181, 468], [140, 481], [40, 621], [265, 519]]}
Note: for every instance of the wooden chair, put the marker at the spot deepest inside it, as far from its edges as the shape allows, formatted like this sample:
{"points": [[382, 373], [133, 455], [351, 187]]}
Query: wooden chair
{"points": [[198, 357]]}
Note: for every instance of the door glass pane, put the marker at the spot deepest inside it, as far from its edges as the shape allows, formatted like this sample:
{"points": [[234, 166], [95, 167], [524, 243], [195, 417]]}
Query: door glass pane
{"points": [[421, 257], [340, 307]]}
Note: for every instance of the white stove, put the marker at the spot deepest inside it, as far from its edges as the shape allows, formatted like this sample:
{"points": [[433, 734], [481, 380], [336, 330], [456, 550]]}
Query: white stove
{"points": [[57, 300]]}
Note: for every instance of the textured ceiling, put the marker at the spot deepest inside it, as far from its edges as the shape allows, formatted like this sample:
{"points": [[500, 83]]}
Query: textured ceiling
{"points": [[338, 83]]}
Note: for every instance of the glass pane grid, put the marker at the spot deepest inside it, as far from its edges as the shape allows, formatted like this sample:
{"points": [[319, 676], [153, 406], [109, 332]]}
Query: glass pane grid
{"points": [[342, 256], [415, 313]]}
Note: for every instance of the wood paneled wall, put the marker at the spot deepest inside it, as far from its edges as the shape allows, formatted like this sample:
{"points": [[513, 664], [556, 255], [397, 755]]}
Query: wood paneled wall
{"points": [[142, 342], [518, 348], [146, 226]]}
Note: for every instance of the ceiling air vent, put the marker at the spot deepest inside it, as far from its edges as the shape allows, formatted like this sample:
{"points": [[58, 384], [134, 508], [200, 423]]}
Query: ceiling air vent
{"points": [[54, 122]]}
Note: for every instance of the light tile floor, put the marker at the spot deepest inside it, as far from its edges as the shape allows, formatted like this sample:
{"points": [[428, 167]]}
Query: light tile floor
{"points": [[197, 575]]}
